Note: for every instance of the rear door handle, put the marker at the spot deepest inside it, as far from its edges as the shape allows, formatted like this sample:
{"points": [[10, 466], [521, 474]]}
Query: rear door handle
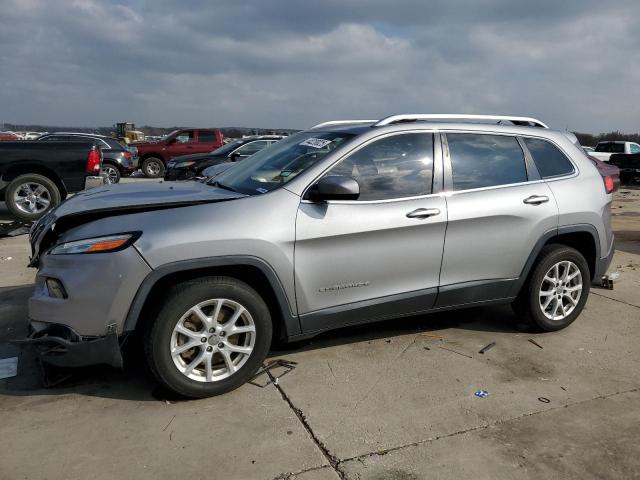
{"points": [[423, 213], [536, 199]]}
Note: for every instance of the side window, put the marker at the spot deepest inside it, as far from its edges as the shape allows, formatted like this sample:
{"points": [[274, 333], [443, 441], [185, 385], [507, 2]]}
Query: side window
{"points": [[550, 161], [393, 167], [206, 136], [252, 147], [479, 160], [185, 137], [634, 148]]}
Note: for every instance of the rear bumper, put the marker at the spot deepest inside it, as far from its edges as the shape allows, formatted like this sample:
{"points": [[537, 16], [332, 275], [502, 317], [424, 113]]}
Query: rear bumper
{"points": [[60, 346], [602, 264], [93, 181]]}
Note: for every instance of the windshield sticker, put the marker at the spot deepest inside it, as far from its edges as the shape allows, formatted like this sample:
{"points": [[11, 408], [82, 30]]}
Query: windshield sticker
{"points": [[316, 142]]}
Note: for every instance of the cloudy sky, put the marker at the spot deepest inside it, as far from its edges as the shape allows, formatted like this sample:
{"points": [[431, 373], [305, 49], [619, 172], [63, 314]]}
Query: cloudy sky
{"points": [[293, 63]]}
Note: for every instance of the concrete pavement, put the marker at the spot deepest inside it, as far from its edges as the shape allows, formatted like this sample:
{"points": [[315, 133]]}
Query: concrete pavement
{"points": [[392, 400]]}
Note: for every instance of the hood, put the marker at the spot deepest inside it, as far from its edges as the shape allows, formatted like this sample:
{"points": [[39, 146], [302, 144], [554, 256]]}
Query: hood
{"points": [[134, 195], [120, 199]]}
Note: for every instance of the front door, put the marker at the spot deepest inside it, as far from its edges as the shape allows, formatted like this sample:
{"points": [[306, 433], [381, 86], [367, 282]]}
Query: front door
{"points": [[378, 256]]}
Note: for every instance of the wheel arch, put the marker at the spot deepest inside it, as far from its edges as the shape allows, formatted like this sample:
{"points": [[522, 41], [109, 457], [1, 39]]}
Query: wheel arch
{"points": [[582, 237], [255, 272], [16, 170]]}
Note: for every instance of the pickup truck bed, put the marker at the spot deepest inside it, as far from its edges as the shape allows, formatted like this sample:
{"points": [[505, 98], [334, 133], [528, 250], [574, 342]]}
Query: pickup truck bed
{"points": [[629, 165], [36, 176]]}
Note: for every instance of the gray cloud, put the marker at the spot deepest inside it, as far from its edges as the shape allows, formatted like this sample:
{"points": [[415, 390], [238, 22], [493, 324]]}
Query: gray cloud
{"points": [[288, 63]]}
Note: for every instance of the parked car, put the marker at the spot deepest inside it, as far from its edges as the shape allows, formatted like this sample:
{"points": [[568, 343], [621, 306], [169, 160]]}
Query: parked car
{"points": [[629, 165], [118, 160], [345, 223], [31, 135], [608, 169], [8, 137], [187, 167], [37, 176], [604, 150], [154, 156]]}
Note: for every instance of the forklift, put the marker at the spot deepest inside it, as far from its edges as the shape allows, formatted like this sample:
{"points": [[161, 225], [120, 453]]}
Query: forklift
{"points": [[127, 133]]}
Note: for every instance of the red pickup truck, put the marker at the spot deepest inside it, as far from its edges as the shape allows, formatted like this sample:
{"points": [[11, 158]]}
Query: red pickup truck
{"points": [[155, 155]]}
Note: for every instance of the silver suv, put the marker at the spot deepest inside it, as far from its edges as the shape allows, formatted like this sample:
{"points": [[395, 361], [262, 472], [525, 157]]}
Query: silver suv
{"points": [[348, 222]]}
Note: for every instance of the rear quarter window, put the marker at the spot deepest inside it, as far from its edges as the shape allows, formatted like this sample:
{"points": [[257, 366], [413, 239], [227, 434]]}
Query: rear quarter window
{"points": [[549, 160]]}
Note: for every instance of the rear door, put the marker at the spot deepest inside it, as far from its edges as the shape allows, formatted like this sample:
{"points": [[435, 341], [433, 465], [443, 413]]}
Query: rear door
{"points": [[207, 141], [498, 209], [378, 256]]}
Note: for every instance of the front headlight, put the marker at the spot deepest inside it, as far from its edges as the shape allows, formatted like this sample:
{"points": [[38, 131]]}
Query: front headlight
{"points": [[184, 164], [111, 243]]}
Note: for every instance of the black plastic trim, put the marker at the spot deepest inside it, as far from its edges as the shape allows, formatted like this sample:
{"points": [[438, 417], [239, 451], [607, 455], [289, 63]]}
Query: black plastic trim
{"points": [[290, 321], [472, 292], [382, 308]]}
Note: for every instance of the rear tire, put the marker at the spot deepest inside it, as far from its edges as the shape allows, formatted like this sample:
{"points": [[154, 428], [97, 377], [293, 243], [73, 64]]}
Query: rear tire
{"points": [[153, 167], [30, 196], [112, 172], [556, 290], [191, 346]]}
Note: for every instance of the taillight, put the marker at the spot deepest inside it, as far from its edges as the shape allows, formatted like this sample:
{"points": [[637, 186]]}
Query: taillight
{"points": [[94, 159], [127, 155], [608, 183]]}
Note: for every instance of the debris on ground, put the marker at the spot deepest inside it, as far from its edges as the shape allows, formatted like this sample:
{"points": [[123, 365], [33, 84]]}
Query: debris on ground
{"points": [[15, 228], [487, 347], [531, 340], [481, 394], [544, 400], [432, 335], [287, 365], [5, 259], [459, 353]]}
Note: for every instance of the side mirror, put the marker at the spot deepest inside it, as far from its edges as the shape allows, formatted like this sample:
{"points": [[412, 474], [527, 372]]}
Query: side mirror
{"points": [[234, 156], [334, 187]]}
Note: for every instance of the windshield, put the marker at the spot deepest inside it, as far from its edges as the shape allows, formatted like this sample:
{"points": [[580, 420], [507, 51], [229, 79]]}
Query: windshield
{"points": [[228, 148], [274, 166]]}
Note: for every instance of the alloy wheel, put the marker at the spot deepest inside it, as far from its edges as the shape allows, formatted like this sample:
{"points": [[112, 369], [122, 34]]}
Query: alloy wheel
{"points": [[213, 340], [32, 197], [111, 172], [560, 290]]}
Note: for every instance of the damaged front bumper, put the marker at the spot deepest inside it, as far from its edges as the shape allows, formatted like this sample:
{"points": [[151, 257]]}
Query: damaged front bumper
{"points": [[60, 346]]}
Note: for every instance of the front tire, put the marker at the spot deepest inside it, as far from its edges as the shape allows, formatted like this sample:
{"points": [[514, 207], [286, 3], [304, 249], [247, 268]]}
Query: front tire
{"points": [[153, 167], [30, 196], [210, 337], [557, 289]]}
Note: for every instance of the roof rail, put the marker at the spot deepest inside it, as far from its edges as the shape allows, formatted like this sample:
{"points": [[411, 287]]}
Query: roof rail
{"points": [[341, 122], [523, 121]]}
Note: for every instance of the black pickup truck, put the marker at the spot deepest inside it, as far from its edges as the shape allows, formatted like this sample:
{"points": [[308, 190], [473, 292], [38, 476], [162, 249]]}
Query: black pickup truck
{"points": [[629, 165], [37, 176]]}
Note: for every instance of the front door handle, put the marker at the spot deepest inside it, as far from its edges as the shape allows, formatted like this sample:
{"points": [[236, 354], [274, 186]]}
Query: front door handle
{"points": [[423, 213], [536, 199]]}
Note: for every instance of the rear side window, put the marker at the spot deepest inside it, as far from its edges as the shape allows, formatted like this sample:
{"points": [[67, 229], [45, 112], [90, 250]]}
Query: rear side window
{"points": [[634, 148], [550, 161], [206, 136], [479, 161]]}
